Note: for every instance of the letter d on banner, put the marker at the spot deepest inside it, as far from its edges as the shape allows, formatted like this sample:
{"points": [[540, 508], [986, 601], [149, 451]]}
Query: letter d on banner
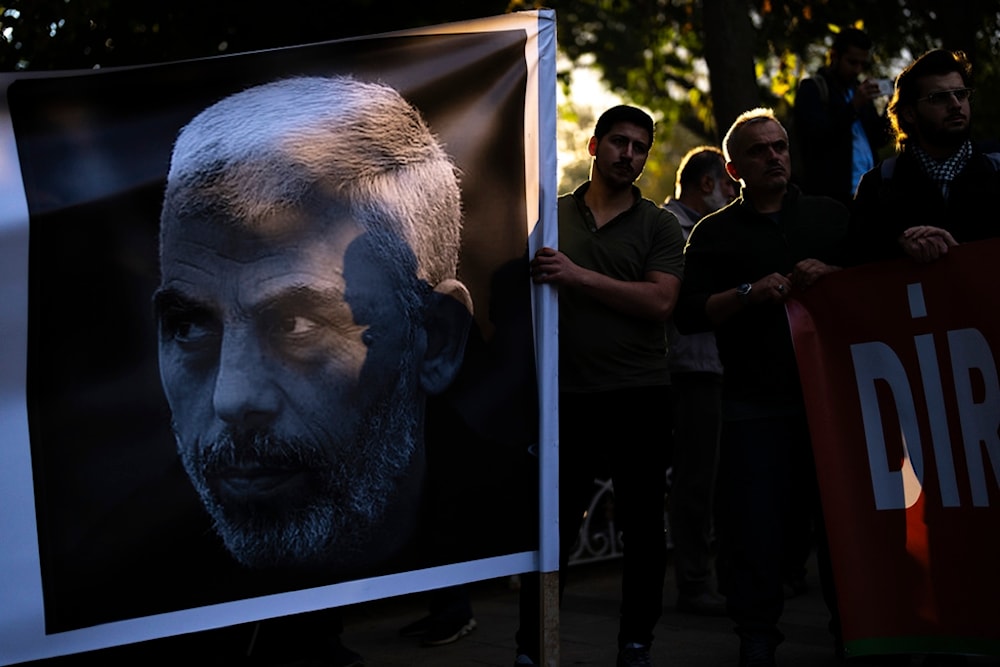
{"points": [[893, 489]]}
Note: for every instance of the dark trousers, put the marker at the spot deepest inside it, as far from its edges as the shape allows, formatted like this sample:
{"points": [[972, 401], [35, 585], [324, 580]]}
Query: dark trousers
{"points": [[453, 600], [621, 434], [696, 410], [767, 484]]}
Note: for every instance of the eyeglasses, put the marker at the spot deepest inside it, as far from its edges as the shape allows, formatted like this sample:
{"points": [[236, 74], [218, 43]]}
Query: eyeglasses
{"points": [[942, 97]]}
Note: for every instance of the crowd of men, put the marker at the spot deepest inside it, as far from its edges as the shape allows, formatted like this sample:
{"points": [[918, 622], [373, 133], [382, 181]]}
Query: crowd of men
{"points": [[731, 367], [714, 268]]}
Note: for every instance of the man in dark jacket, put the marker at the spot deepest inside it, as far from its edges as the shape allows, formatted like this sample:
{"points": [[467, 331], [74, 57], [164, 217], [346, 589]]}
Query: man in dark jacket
{"points": [[837, 125], [741, 264], [931, 196]]}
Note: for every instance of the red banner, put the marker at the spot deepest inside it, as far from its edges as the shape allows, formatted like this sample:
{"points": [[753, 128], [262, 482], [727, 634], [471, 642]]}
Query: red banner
{"points": [[902, 392]]}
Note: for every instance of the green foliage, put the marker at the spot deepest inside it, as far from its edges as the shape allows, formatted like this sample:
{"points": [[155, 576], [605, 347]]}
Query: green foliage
{"points": [[653, 53]]}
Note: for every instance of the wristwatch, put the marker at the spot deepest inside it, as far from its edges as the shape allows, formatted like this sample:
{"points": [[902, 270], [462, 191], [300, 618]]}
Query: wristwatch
{"points": [[743, 292]]}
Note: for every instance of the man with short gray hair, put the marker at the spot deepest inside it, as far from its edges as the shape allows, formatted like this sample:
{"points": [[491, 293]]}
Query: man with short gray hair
{"points": [[308, 306], [741, 264]]}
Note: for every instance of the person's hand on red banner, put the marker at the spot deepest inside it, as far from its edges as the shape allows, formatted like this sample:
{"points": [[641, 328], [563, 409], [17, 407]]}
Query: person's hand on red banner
{"points": [[773, 288], [808, 271], [925, 243]]}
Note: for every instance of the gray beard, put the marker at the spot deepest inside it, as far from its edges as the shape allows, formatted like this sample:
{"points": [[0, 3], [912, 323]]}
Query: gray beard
{"points": [[716, 200], [348, 502]]}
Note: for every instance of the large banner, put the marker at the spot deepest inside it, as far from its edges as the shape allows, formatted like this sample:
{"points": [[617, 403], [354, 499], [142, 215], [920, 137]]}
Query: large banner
{"points": [[899, 368], [261, 386]]}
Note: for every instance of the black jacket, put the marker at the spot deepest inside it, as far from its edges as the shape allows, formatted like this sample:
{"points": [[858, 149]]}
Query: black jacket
{"points": [[735, 245], [823, 130], [884, 208]]}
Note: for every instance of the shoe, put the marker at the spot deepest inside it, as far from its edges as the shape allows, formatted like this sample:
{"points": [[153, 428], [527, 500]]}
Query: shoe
{"points": [[756, 652], [706, 603], [417, 628], [634, 655], [440, 629], [447, 629]]}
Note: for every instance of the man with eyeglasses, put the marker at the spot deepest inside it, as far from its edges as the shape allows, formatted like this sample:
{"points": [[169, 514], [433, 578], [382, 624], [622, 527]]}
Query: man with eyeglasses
{"points": [[930, 196], [741, 264]]}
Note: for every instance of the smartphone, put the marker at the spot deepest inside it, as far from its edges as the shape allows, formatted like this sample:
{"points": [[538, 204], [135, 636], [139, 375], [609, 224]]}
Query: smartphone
{"points": [[884, 86]]}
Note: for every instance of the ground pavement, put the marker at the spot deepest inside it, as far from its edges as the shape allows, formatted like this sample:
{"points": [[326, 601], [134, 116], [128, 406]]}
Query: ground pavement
{"points": [[588, 626]]}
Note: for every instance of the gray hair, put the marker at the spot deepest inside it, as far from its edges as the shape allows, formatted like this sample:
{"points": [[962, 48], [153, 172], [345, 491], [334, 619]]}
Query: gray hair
{"points": [[758, 115], [271, 148], [697, 163]]}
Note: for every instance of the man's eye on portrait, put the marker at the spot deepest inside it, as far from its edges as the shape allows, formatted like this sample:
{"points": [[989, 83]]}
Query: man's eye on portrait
{"points": [[189, 330], [185, 324], [291, 328]]}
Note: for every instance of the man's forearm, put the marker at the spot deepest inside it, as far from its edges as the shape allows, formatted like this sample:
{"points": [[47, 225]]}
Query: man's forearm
{"points": [[652, 299]]}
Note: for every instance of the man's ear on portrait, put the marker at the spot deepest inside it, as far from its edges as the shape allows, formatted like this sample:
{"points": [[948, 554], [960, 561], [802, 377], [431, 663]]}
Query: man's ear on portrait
{"points": [[447, 320]]}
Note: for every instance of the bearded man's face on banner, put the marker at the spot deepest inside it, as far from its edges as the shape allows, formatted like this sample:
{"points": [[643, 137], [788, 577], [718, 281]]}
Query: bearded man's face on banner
{"points": [[308, 253], [287, 358]]}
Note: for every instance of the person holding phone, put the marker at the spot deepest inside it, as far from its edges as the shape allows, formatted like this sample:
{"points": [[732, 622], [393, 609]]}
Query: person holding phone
{"points": [[836, 120]]}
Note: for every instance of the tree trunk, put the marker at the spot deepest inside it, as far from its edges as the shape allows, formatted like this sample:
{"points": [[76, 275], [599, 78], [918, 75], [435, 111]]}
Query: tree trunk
{"points": [[729, 54]]}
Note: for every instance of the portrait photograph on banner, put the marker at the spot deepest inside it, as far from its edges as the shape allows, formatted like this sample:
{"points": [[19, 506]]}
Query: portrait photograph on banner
{"points": [[278, 330]]}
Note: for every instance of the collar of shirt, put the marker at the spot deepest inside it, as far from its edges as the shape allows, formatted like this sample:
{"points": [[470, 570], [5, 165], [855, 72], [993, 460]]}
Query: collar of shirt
{"points": [[692, 214], [943, 172]]}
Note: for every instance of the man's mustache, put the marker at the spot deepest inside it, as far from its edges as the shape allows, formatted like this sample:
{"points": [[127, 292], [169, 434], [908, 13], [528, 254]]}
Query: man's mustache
{"points": [[259, 450]]}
